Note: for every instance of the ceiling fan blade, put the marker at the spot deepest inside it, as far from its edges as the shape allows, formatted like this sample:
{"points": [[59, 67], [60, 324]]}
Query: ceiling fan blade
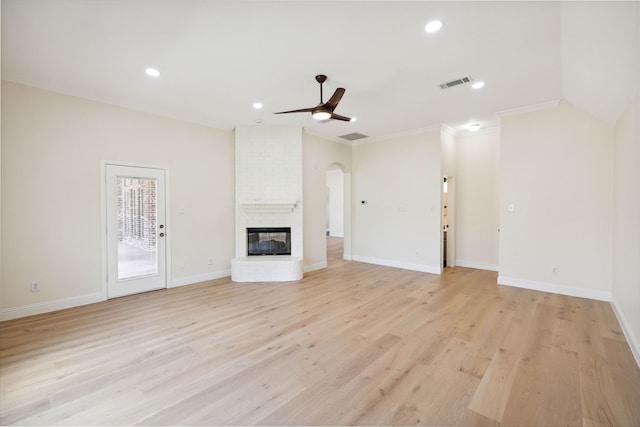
{"points": [[335, 99], [339, 117], [302, 110]]}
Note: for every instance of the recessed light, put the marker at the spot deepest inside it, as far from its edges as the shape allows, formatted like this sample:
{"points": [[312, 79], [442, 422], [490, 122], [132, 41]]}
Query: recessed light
{"points": [[474, 127], [152, 72], [257, 105], [433, 26], [477, 85]]}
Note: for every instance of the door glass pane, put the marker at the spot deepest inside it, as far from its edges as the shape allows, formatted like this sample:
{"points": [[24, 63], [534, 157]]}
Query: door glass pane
{"points": [[137, 250]]}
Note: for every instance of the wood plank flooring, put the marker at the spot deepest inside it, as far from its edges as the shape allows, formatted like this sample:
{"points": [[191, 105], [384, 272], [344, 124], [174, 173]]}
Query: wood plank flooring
{"points": [[351, 344]]}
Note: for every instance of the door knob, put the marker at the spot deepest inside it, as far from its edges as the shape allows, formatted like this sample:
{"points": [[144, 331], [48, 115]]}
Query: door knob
{"points": [[161, 225], [161, 234]]}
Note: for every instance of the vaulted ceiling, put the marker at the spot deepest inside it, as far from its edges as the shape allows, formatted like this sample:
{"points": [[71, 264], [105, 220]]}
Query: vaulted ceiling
{"points": [[217, 58]]}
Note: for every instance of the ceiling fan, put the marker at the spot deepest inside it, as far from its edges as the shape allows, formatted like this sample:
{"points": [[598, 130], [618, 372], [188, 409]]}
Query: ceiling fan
{"points": [[324, 110]]}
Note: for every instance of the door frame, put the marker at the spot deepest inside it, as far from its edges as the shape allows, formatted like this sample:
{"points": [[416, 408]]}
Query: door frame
{"points": [[103, 220]]}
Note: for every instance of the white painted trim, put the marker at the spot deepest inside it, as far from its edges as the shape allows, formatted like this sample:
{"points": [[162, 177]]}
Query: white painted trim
{"points": [[448, 130], [554, 288], [481, 131], [476, 265], [633, 341], [314, 267], [48, 306], [347, 257], [529, 108], [191, 280], [399, 264]]}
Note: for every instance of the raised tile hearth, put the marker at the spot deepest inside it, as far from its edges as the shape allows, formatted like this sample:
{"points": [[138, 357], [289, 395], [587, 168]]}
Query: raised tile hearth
{"points": [[277, 268]]}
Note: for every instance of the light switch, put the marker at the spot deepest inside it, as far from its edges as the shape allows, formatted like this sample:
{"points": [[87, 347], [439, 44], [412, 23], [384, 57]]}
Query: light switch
{"points": [[511, 207]]}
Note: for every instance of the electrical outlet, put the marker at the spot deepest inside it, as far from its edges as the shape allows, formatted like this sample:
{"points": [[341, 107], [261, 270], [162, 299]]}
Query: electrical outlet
{"points": [[35, 287], [210, 260], [554, 271]]}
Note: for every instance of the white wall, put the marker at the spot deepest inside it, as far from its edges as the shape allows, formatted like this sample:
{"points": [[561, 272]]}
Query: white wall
{"points": [[335, 213], [478, 198], [317, 155], [400, 181], [52, 148], [626, 225], [557, 172]]}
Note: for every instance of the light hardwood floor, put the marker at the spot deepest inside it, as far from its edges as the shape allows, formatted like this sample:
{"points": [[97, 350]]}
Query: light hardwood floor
{"points": [[351, 344]]}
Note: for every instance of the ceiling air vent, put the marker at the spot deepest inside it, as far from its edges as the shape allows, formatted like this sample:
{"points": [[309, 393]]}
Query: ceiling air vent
{"points": [[456, 82], [353, 136]]}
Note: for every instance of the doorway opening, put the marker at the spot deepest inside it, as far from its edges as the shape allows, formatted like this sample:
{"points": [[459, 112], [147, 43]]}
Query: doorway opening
{"points": [[448, 229], [335, 212]]}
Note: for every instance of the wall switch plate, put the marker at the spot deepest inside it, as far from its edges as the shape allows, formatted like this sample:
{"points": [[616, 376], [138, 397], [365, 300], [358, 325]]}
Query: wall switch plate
{"points": [[35, 286], [511, 207]]}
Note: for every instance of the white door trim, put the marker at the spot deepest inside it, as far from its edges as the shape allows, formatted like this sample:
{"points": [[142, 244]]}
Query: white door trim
{"points": [[103, 219]]}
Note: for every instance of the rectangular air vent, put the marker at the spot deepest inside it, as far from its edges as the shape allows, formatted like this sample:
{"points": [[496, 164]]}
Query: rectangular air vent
{"points": [[353, 136], [456, 82]]}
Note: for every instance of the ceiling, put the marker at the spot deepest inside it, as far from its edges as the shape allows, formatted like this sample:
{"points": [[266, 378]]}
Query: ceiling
{"points": [[217, 58]]}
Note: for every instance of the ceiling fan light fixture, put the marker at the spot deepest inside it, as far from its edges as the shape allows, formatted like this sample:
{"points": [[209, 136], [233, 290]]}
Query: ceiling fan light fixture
{"points": [[321, 114]]}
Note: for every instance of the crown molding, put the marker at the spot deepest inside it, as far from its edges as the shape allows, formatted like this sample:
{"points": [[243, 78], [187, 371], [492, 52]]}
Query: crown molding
{"points": [[529, 108], [448, 130], [481, 131]]}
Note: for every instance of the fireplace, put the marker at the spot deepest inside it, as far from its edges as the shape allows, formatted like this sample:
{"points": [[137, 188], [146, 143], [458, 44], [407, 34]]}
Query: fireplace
{"points": [[269, 241]]}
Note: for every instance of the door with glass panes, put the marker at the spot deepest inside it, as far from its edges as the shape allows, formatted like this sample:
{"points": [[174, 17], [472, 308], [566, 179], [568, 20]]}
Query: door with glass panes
{"points": [[136, 230]]}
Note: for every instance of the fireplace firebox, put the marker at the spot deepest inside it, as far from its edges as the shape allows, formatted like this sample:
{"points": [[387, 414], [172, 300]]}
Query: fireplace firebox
{"points": [[269, 241]]}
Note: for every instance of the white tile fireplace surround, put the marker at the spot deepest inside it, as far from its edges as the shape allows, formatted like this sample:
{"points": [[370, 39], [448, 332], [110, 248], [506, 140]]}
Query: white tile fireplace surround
{"points": [[268, 194]]}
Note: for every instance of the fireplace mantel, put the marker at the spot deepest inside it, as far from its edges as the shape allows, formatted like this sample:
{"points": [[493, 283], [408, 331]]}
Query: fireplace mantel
{"points": [[267, 206]]}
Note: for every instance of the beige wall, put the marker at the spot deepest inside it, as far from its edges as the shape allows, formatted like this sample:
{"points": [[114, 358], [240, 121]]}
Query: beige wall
{"points": [[477, 192], [53, 146], [557, 172], [626, 224], [317, 155], [399, 179]]}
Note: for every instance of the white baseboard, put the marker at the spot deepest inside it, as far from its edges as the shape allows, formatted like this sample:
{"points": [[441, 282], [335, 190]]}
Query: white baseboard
{"points": [[554, 288], [347, 257], [477, 265], [45, 307], [314, 267], [398, 264], [633, 340], [60, 304], [190, 280]]}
